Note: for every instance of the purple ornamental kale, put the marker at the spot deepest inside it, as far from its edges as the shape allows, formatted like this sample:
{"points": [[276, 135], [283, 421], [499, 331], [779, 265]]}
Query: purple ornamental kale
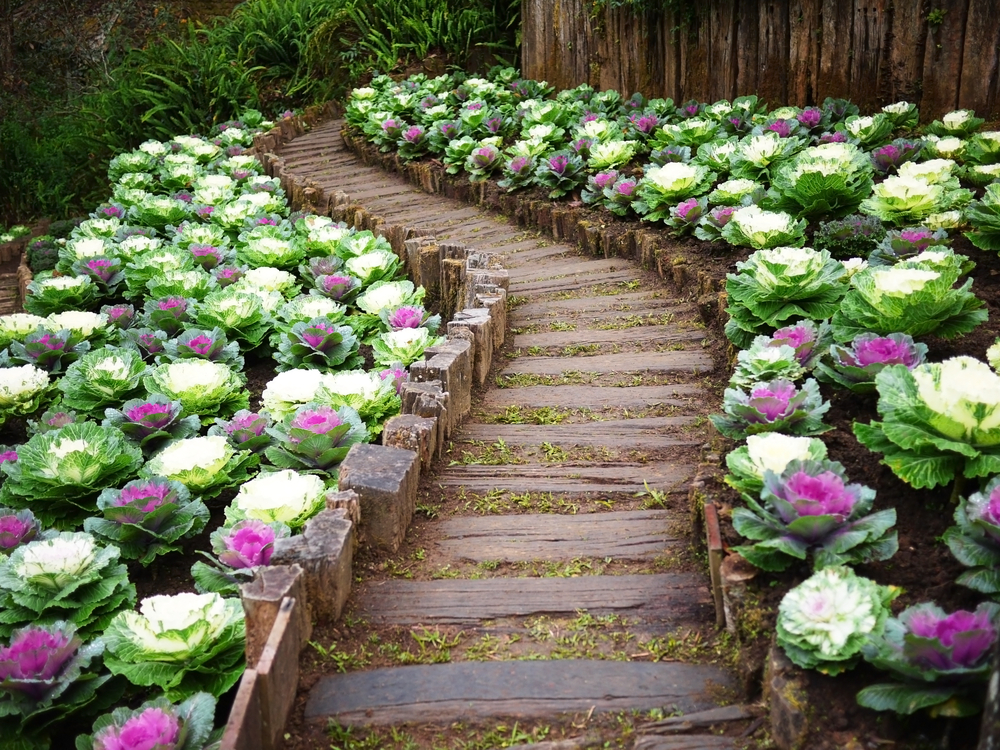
{"points": [[836, 137], [247, 544], [810, 117], [335, 286], [888, 158], [392, 128], [119, 316], [17, 527], [407, 316], [398, 374], [975, 539], [941, 642], [644, 124], [906, 243], [315, 437], [619, 196], [983, 509], [782, 127], [168, 314], [855, 366], [413, 134], [808, 341], [247, 430], [152, 421], [207, 256], [318, 421], [227, 275], [581, 147], [450, 130], [684, 217], [774, 406], [153, 729], [36, 657], [110, 212]]}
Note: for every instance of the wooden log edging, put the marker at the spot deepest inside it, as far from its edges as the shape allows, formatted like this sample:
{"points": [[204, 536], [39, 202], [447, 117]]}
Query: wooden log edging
{"points": [[310, 575]]}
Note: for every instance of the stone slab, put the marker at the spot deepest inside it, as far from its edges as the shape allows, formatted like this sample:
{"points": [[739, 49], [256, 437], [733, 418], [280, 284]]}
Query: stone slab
{"points": [[622, 535], [665, 599], [471, 690]]}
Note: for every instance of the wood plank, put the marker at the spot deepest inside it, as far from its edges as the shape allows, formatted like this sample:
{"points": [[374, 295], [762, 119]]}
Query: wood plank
{"points": [[628, 535], [943, 61], [628, 303], [513, 260], [460, 690], [568, 265], [652, 334], [835, 50], [695, 362], [594, 396], [685, 742], [667, 599], [803, 51], [869, 47], [773, 52], [722, 53], [694, 40], [978, 87], [574, 281], [747, 48], [621, 477], [647, 433], [906, 50]]}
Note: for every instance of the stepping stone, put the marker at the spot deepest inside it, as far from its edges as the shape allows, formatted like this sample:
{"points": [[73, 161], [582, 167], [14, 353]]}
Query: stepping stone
{"points": [[593, 396], [622, 535], [664, 599], [626, 434], [693, 361], [474, 690], [621, 477], [652, 334], [570, 283]]}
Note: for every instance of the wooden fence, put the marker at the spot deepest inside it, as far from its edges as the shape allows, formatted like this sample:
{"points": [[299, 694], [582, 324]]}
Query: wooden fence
{"points": [[941, 54]]}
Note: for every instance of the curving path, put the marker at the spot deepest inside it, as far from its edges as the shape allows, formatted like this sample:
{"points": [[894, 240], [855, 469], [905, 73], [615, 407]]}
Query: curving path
{"points": [[563, 504]]}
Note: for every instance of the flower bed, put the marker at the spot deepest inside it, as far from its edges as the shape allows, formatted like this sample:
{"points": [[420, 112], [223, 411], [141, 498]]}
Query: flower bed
{"points": [[129, 371], [740, 177]]}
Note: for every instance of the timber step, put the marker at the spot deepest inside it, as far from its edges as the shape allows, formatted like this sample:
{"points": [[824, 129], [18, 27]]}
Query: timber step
{"points": [[475, 690], [622, 535], [625, 434], [652, 334], [567, 265], [562, 479], [593, 397], [571, 282], [683, 361], [661, 600]]}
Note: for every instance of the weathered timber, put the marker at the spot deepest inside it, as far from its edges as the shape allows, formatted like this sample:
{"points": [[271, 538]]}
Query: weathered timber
{"points": [[693, 361], [646, 433], [652, 334], [698, 720], [594, 396], [689, 742], [469, 690], [621, 477], [625, 535], [571, 281], [569, 265], [664, 599]]}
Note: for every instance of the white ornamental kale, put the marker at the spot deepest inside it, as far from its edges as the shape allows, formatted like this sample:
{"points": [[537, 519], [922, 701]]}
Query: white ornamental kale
{"points": [[661, 188], [16, 326], [367, 393], [268, 279], [824, 621], [381, 295], [22, 390], [279, 496], [289, 390], [752, 226], [205, 465], [405, 346], [182, 644], [204, 388]]}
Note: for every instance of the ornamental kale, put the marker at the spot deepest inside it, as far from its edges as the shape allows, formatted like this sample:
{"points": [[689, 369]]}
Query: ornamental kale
{"points": [[373, 398], [67, 576], [940, 420], [338, 286], [195, 343], [167, 314], [906, 244], [204, 388], [975, 540], [240, 315], [155, 725], [961, 123], [182, 644], [826, 180], [774, 287], [856, 366], [239, 550], [285, 496], [887, 159], [916, 297], [48, 678], [752, 226], [105, 271], [710, 227], [17, 527], [58, 293], [662, 187], [684, 217], [246, 431], [561, 172], [763, 362], [777, 406], [318, 344], [593, 194], [148, 517], [59, 473], [518, 173], [809, 508], [940, 661], [409, 316], [152, 421], [984, 215], [205, 465], [669, 154], [315, 438], [768, 451], [825, 621], [482, 162], [406, 345], [620, 197], [412, 143], [48, 350]]}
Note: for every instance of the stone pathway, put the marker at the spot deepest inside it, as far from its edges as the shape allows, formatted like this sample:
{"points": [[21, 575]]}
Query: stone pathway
{"points": [[597, 418]]}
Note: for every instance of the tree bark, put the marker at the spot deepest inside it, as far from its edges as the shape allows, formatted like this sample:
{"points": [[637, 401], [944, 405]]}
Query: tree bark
{"points": [[6, 42]]}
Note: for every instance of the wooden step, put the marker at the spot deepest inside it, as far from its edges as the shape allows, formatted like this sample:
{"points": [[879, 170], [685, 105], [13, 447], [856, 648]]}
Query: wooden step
{"points": [[665, 600], [683, 361], [651, 334], [592, 396], [621, 477], [572, 282], [622, 535], [474, 690], [625, 434], [570, 264]]}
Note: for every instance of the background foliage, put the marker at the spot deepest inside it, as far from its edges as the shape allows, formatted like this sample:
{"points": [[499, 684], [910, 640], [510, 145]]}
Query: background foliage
{"points": [[75, 94]]}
